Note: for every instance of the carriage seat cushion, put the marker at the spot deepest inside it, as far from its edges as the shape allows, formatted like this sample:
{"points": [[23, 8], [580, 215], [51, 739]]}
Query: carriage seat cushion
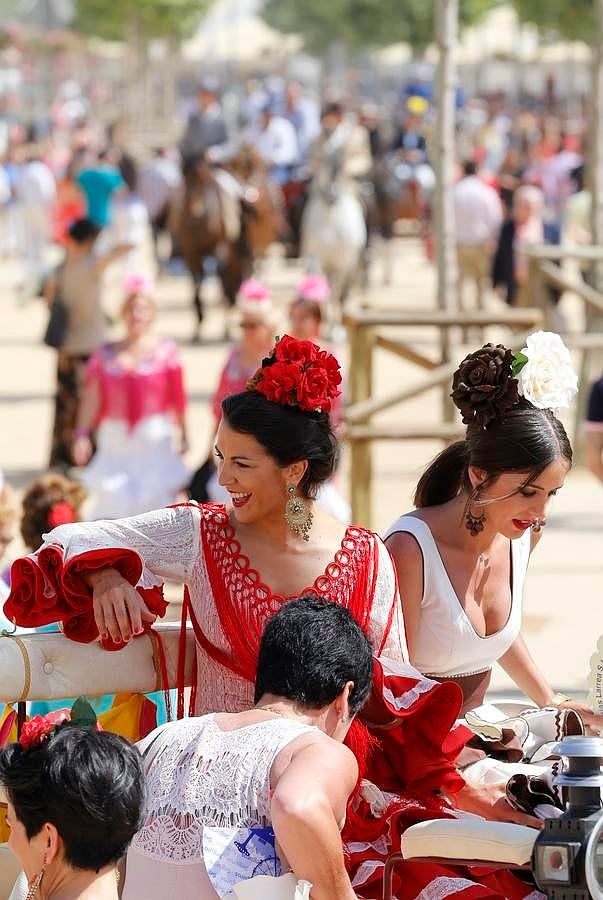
{"points": [[50, 666], [470, 838]]}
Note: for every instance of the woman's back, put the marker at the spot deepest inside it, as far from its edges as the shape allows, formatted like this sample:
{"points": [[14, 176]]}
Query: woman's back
{"points": [[207, 824]]}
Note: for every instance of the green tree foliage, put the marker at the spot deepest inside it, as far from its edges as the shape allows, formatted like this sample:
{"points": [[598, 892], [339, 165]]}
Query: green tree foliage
{"points": [[115, 19], [360, 24], [573, 20]]}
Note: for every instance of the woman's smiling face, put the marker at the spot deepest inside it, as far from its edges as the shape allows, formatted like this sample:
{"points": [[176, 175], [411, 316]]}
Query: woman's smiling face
{"points": [[256, 484]]}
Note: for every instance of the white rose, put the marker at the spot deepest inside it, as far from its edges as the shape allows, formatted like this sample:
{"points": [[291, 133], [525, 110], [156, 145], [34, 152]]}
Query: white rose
{"points": [[548, 379]]}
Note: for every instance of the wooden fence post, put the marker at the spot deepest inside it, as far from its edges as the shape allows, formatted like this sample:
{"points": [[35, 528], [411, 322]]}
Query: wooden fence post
{"points": [[361, 388]]}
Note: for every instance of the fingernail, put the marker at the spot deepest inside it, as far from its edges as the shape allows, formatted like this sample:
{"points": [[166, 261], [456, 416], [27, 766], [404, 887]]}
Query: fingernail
{"points": [[138, 632], [127, 637]]}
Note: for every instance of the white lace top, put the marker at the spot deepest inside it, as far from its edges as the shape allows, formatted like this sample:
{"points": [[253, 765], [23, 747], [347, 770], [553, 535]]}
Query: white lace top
{"points": [[207, 824], [169, 546], [447, 644]]}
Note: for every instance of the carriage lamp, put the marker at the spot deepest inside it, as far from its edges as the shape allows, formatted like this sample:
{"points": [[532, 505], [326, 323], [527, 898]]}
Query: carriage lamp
{"points": [[564, 859]]}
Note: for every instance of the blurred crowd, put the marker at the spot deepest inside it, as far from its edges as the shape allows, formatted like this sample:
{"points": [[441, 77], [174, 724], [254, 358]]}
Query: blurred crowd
{"points": [[74, 202]]}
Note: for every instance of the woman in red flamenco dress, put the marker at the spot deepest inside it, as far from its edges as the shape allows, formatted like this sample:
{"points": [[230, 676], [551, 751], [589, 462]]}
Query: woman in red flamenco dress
{"points": [[274, 447]]}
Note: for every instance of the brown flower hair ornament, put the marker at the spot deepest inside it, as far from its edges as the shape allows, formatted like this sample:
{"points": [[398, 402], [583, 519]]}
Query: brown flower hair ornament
{"points": [[484, 386]]}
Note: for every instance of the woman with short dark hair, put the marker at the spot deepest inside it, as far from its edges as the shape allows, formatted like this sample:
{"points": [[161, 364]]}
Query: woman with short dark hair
{"points": [[264, 791], [75, 800]]}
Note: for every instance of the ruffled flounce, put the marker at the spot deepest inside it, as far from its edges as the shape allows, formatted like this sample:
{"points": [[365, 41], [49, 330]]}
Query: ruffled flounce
{"points": [[47, 588]]}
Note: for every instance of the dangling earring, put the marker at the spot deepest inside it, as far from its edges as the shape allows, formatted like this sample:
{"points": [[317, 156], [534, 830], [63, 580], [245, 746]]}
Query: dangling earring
{"points": [[35, 885], [474, 524], [298, 515]]}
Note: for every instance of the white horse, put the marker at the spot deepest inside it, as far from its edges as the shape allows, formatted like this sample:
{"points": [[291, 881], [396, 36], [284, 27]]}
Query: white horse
{"points": [[333, 233]]}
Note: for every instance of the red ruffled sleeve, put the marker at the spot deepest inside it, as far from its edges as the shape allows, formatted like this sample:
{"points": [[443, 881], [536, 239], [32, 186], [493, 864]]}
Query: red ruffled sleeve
{"points": [[45, 589]]}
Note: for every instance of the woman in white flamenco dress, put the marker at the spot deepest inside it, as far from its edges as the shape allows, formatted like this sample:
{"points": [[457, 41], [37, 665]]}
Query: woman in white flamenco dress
{"points": [[134, 398]]}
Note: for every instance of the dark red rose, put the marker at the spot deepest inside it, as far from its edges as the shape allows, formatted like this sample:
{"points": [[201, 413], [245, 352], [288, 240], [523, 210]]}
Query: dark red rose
{"points": [[313, 390], [483, 387], [328, 362], [291, 350], [35, 732], [279, 382]]}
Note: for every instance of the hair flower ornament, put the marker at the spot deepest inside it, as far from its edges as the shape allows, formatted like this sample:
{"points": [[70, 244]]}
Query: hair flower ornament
{"points": [[492, 380], [62, 513], [544, 372], [40, 728], [299, 373]]}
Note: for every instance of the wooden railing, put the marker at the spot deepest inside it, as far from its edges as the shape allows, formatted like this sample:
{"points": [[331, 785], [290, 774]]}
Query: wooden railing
{"points": [[545, 271], [365, 335]]}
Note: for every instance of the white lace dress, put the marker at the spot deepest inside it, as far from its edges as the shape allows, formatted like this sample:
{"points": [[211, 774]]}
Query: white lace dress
{"points": [[207, 824], [178, 543]]}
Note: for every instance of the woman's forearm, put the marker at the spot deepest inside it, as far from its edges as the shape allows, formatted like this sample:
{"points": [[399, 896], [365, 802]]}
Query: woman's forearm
{"points": [[88, 409], [519, 665]]}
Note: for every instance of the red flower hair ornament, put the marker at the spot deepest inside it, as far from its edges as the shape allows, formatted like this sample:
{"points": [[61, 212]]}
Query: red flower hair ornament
{"points": [[299, 373], [61, 513], [37, 730]]}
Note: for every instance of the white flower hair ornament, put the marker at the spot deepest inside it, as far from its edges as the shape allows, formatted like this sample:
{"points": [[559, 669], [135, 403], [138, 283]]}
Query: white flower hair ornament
{"points": [[544, 371]]}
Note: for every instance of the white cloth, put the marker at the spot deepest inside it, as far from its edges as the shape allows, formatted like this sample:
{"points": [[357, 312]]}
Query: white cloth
{"points": [[158, 184], [477, 210], [446, 642], [134, 470], [208, 818], [277, 143], [168, 544], [36, 186]]}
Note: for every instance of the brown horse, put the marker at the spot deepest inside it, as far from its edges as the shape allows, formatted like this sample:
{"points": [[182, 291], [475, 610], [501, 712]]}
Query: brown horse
{"points": [[208, 224], [262, 204]]}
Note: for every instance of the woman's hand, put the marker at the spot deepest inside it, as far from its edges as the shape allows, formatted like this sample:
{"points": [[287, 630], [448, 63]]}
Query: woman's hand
{"points": [[119, 610], [81, 450], [591, 719], [490, 802]]}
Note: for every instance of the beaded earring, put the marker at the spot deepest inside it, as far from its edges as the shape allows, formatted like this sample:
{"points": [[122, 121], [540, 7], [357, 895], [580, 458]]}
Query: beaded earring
{"points": [[298, 515]]}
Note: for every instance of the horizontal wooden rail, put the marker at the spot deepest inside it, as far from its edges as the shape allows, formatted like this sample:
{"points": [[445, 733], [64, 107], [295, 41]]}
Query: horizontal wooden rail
{"points": [[587, 253], [560, 279], [444, 431], [584, 341], [528, 318]]}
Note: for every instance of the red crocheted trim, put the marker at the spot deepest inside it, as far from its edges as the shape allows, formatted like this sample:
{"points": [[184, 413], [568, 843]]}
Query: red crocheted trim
{"points": [[243, 617]]}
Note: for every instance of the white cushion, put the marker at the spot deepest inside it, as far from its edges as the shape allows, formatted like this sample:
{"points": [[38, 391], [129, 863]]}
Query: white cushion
{"points": [[62, 668], [470, 838], [9, 870], [266, 887]]}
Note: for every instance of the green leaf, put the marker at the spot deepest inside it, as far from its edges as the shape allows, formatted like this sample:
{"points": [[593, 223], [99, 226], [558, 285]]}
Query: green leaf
{"points": [[519, 361], [82, 713]]}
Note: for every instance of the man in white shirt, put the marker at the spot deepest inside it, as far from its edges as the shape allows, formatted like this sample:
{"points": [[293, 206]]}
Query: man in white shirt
{"points": [[37, 193], [304, 114], [277, 144], [479, 215]]}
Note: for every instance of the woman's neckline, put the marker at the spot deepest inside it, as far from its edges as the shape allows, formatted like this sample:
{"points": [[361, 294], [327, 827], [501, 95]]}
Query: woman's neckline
{"points": [[481, 637], [243, 563], [149, 356]]}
